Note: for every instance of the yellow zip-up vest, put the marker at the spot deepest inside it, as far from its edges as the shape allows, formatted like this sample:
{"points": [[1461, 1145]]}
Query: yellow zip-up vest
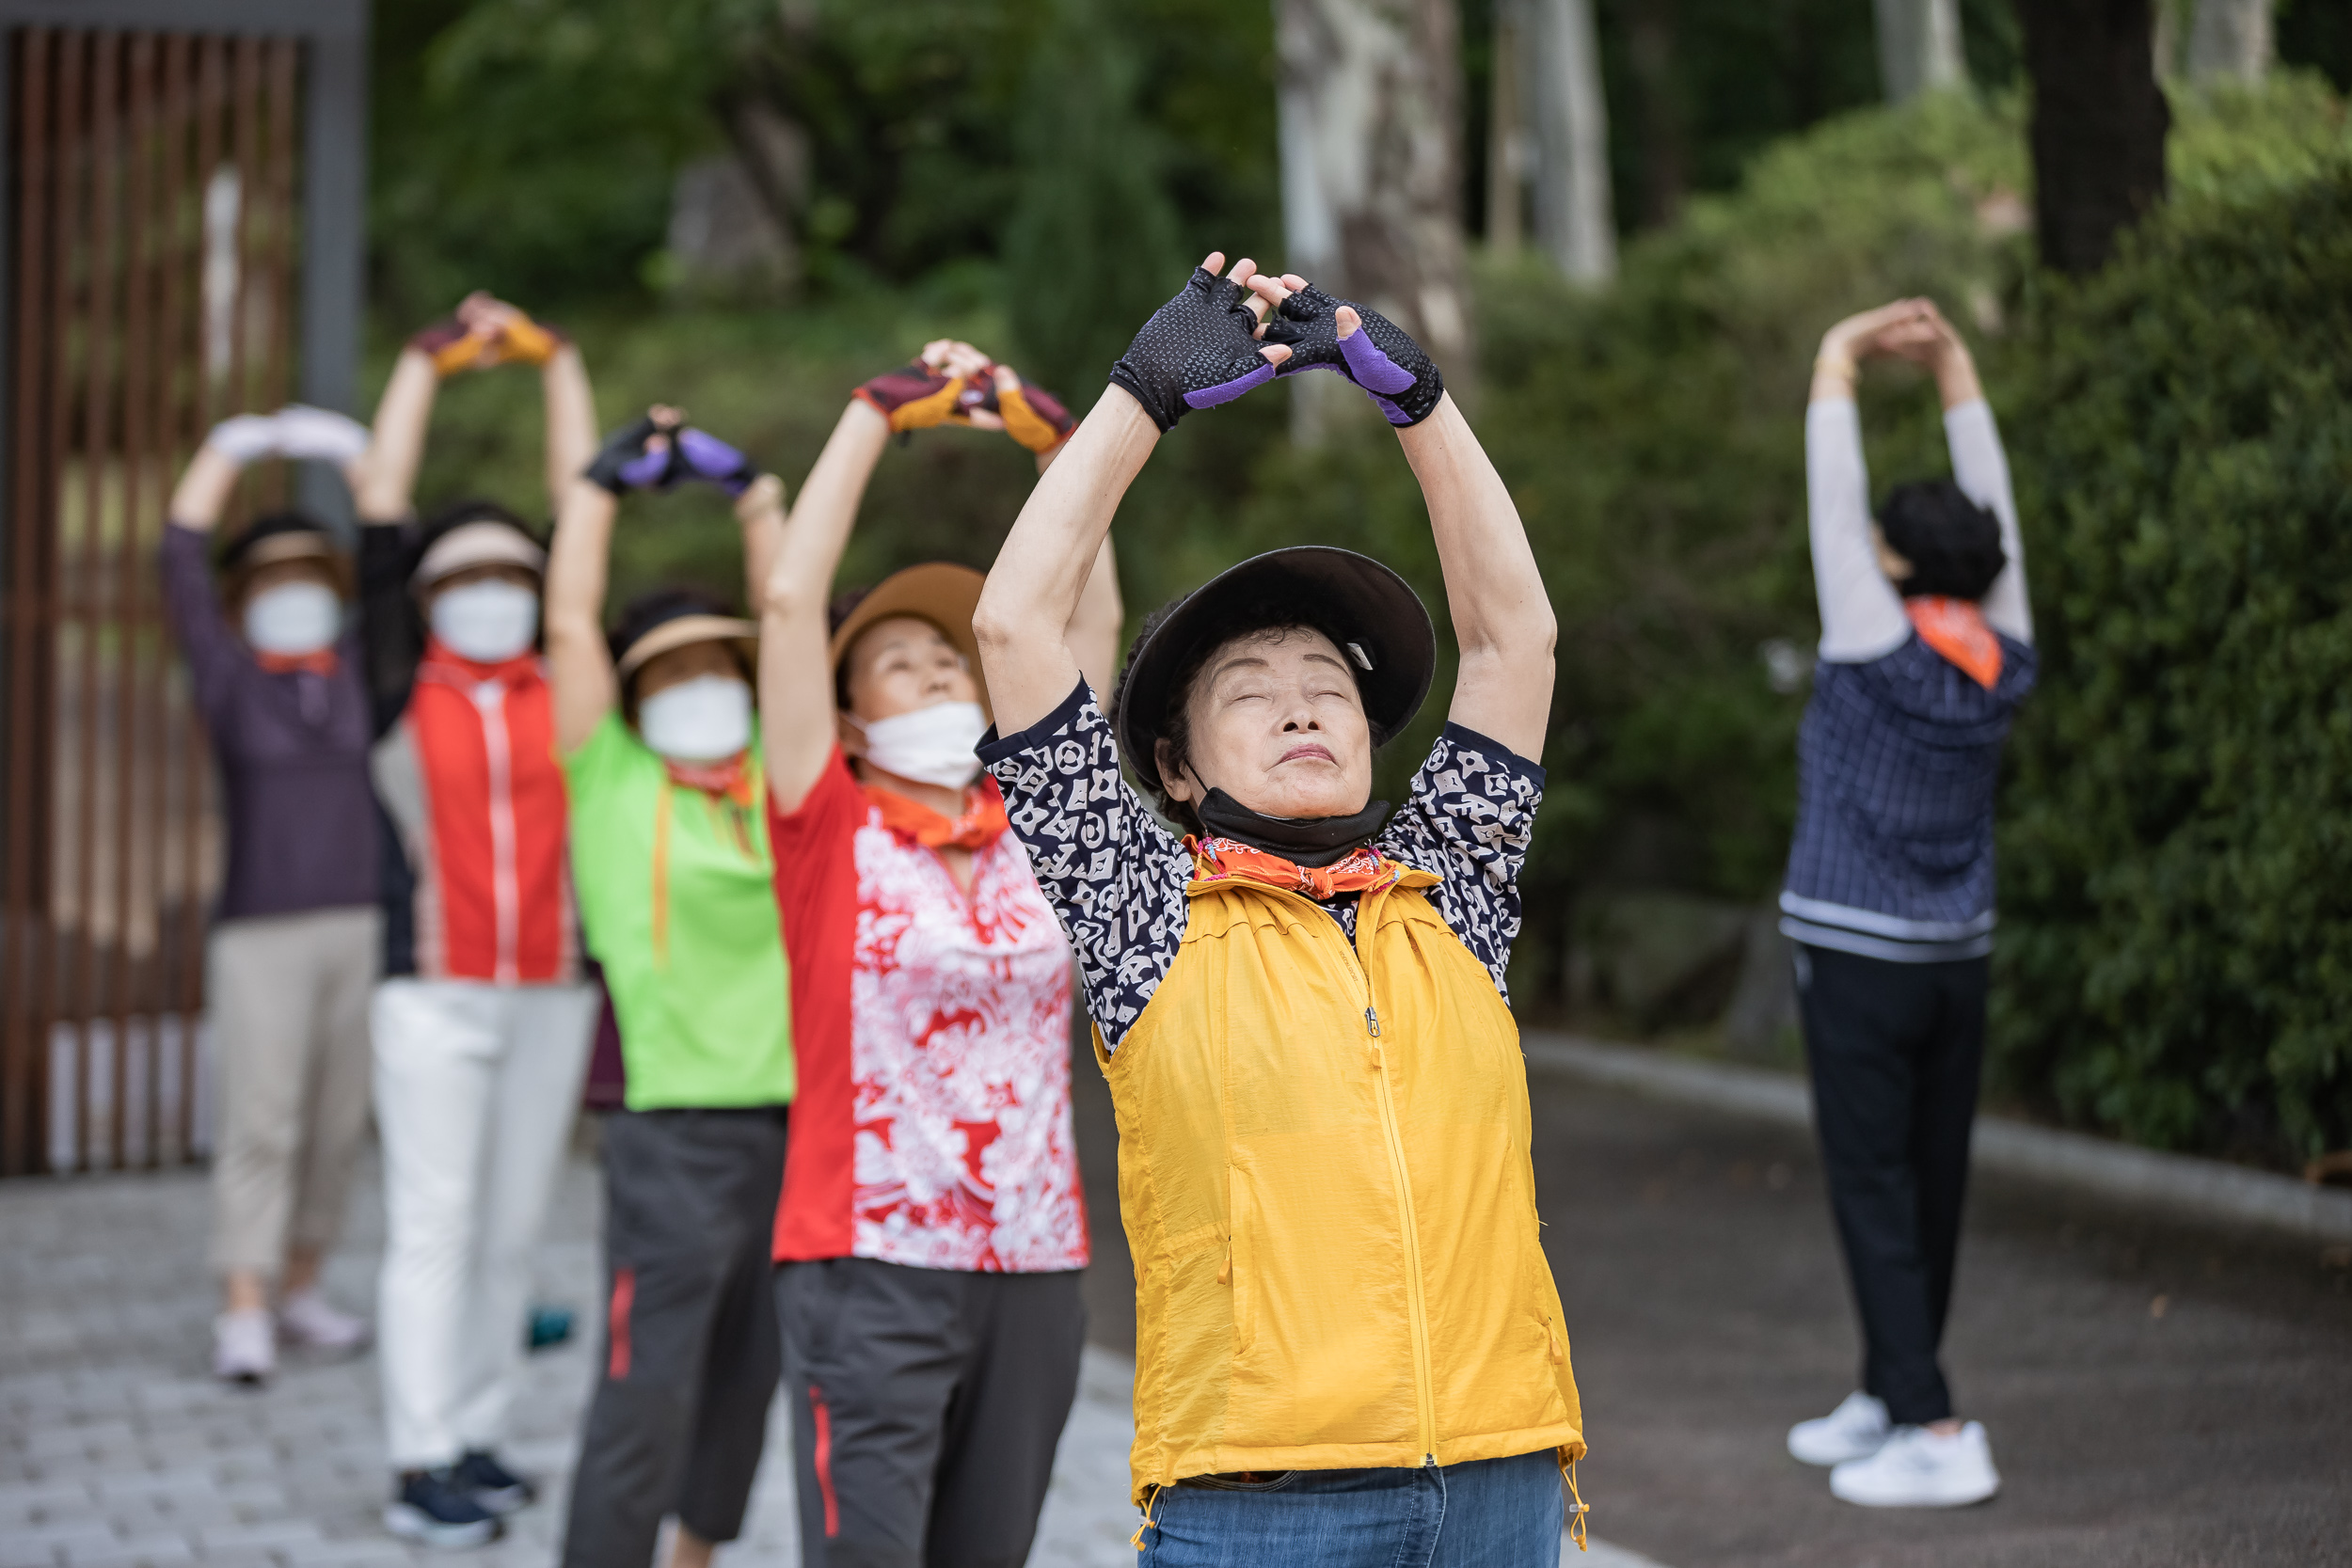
{"points": [[1323, 1174]]}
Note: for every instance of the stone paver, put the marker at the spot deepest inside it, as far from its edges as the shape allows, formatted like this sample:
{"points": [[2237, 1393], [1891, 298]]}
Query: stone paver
{"points": [[119, 1450]]}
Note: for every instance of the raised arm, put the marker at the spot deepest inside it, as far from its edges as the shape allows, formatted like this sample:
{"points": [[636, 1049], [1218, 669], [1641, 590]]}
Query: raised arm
{"points": [[206, 637], [571, 415], [1861, 613], [1981, 469], [656, 452], [796, 707], [1503, 619], [1034, 614], [385, 489], [1196, 351], [1501, 616], [579, 666]]}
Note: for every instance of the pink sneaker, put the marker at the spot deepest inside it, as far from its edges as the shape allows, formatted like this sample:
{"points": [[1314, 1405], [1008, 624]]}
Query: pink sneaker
{"points": [[306, 1318], [242, 1350]]}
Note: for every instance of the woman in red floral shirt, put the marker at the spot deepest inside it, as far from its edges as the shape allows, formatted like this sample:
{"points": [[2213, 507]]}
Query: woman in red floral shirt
{"points": [[933, 1223]]}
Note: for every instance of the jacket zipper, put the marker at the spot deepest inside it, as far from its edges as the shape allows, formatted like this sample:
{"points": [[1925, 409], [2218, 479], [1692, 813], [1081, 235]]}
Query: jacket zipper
{"points": [[1415, 1304], [489, 700]]}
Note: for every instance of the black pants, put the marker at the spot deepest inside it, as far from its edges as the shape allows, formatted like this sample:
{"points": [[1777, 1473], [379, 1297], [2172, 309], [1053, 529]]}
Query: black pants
{"points": [[691, 1352], [1896, 1051], [926, 1404]]}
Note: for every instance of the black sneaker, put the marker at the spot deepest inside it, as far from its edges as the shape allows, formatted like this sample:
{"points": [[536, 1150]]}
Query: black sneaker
{"points": [[498, 1489], [436, 1508]]}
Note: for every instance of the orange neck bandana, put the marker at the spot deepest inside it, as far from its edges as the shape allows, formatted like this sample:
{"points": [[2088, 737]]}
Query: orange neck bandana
{"points": [[730, 780], [320, 661], [1358, 871], [1956, 629], [981, 824]]}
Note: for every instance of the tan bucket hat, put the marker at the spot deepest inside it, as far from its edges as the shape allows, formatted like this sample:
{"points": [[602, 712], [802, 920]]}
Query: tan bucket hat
{"points": [[292, 543], [683, 630], [478, 544], [939, 592]]}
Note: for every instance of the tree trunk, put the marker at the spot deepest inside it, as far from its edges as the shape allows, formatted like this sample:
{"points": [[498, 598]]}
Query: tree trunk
{"points": [[2099, 124], [1506, 131], [2230, 40], [1650, 43], [1575, 218], [1372, 166], [1919, 47]]}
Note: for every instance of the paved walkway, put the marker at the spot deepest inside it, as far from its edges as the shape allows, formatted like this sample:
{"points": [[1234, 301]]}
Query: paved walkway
{"points": [[2159, 1396], [119, 1450]]}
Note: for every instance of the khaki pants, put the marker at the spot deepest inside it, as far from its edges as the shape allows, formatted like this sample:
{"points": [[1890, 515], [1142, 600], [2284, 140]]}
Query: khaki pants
{"points": [[290, 1023]]}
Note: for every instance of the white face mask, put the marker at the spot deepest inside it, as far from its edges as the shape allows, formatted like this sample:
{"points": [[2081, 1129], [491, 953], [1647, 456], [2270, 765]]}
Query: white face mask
{"points": [[707, 719], [931, 745], [487, 621], [293, 618]]}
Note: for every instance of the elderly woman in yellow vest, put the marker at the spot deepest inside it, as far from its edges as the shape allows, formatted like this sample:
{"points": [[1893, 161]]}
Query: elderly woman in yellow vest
{"points": [[1349, 1350]]}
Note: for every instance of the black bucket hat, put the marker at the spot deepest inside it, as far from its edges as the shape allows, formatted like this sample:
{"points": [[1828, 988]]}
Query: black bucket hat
{"points": [[1381, 624]]}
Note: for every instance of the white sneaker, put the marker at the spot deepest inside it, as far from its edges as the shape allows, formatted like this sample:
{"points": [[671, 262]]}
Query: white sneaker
{"points": [[1918, 1468], [306, 1318], [1853, 1430], [243, 1349]]}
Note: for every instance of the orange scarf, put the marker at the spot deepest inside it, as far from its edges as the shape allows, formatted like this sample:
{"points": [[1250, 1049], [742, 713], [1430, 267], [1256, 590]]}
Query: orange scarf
{"points": [[730, 780], [1956, 629], [732, 783], [981, 824], [1358, 870], [318, 662]]}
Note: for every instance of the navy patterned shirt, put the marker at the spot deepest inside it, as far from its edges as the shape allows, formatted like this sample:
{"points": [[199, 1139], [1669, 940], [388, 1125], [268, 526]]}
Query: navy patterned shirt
{"points": [[1896, 770], [1116, 874]]}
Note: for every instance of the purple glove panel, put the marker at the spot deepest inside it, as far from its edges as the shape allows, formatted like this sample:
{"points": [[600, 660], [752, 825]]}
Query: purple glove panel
{"points": [[646, 471], [1226, 391], [1380, 356], [628, 463], [708, 458]]}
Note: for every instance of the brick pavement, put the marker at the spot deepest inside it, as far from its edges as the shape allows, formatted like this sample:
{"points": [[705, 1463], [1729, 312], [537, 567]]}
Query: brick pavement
{"points": [[119, 1450]]}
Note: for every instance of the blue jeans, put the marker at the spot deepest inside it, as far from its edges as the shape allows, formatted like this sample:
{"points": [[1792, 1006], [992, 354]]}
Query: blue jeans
{"points": [[1487, 1514]]}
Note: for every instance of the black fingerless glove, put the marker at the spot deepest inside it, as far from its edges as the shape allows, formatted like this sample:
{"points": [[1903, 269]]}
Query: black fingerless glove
{"points": [[1197, 351], [1381, 356], [623, 464]]}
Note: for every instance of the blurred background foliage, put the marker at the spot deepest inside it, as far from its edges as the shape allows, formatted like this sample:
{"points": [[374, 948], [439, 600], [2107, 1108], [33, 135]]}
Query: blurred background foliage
{"points": [[1035, 175]]}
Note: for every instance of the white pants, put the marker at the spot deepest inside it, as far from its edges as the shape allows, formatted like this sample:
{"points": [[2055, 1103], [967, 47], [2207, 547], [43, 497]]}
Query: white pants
{"points": [[476, 1086]]}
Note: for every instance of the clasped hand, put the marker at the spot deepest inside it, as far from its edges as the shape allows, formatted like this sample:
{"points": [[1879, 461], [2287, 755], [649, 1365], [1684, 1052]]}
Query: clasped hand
{"points": [[661, 451], [1222, 337]]}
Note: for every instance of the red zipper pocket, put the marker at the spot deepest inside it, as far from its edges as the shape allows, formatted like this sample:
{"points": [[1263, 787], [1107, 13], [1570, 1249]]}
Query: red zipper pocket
{"points": [[825, 1460], [616, 1323]]}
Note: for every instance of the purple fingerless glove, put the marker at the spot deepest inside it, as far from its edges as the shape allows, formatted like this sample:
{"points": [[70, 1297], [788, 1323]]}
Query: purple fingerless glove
{"points": [[706, 457], [1380, 356], [1196, 351]]}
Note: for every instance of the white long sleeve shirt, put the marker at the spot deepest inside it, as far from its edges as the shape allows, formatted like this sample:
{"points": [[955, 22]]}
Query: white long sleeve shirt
{"points": [[1862, 612]]}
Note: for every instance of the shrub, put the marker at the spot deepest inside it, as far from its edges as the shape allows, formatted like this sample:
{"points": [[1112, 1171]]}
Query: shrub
{"points": [[2176, 960]]}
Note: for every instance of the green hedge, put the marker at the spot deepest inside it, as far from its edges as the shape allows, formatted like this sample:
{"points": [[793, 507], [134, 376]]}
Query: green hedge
{"points": [[2176, 959]]}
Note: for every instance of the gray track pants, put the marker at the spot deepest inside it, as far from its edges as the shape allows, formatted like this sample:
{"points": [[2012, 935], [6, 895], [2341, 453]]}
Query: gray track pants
{"points": [[691, 1352], [926, 1405]]}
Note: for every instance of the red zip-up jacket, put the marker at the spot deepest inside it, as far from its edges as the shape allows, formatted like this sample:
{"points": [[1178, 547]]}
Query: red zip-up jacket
{"points": [[469, 776]]}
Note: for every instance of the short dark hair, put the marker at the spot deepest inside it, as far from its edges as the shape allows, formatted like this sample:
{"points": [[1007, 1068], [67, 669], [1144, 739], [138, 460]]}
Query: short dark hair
{"points": [[1953, 545], [1247, 616], [649, 610]]}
